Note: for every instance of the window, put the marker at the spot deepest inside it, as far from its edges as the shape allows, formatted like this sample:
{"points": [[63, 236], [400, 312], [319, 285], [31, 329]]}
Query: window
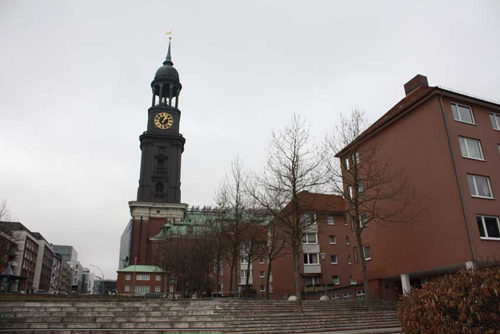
{"points": [[262, 288], [363, 220], [171, 288], [479, 186], [353, 224], [333, 259], [157, 288], [244, 259], [356, 158], [333, 239], [262, 274], [310, 280], [158, 277], [309, 238], [310, 258], [471, 148], [347, 239], [347, 296], [366, 252], [127, 277], [355, 252], [352, 280], [348, 258], [308, 219], [331, 220], [489, 228], [142, 288], [261, 259], [360, 295], [495, 120], [462, 113], [143, 277], [349, 191], [245, 272], [360, 187], [335, 296], [336, 279], [346, 163], [127, 287]]}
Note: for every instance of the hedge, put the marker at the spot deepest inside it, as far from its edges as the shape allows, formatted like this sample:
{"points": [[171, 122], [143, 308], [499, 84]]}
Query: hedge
{"points": [[465, 302]]}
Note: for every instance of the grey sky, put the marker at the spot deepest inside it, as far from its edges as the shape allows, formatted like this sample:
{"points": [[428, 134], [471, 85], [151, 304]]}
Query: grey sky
{"points": [[75, 76]]}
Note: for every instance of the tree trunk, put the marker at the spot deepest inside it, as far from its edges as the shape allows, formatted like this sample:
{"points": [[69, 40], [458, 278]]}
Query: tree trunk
{"points": [[296, 269], [365, 275], [269, 267], [247, 281]]}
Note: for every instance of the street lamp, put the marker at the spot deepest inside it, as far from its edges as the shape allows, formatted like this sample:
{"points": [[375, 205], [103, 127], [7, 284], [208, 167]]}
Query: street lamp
{"points": [[102, 288], [323, 257]]}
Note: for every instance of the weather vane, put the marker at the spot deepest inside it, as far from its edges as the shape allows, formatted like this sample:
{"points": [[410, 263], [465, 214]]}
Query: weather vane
{"points": [[169, 34]]}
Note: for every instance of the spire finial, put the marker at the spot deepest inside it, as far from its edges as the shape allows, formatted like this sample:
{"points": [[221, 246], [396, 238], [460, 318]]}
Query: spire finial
{"points": [[168, 61]]}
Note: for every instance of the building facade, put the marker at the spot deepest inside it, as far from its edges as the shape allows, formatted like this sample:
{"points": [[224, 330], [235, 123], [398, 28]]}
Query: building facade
{"points": [[141, 279], [68, 253], [9, 282], [61, 275], [43, 269], [448, 143]]}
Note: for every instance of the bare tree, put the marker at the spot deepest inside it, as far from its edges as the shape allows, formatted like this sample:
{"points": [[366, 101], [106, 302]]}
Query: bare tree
{"points": [[273, 248], [294, 165], [374, 189], [5, 214], [233, 205]]}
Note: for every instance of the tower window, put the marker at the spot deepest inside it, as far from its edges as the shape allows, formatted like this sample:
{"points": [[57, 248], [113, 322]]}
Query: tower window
{"points": [[159, 188]]}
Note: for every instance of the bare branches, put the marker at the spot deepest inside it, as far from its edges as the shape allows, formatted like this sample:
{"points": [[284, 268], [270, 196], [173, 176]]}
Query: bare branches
{"points": [[5, 214], [375, 190], [294, 166]]}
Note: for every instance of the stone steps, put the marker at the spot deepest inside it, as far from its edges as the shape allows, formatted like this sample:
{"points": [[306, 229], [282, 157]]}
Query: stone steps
{"points": [[206, 316]]}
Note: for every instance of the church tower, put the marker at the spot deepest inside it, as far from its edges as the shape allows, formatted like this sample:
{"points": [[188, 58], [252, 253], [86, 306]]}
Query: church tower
{"points": [[162, 144], [159, 193]]}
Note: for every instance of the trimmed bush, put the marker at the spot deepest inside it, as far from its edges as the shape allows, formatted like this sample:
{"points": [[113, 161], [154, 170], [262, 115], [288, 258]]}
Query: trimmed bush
{"points": [[465, 302]]}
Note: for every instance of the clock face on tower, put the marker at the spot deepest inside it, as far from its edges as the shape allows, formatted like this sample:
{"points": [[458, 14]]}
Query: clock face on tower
{"points": [[163, 120]]}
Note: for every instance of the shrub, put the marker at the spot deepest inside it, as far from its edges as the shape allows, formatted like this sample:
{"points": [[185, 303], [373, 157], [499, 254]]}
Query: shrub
{"points": [[465, 302]]}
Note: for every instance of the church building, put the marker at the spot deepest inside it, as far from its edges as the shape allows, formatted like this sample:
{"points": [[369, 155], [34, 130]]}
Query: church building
{"points": [[159, 194]]}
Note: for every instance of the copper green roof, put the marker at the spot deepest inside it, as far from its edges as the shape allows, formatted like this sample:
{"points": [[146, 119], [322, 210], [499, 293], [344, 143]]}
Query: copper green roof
{"points": [[142, 269]]}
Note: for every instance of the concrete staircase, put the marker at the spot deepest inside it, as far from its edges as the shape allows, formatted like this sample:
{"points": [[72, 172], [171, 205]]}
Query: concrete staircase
{"points": [[195, 316]]}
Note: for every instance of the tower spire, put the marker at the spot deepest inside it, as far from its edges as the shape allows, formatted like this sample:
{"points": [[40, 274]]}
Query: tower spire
{"points": [[168, 60]]}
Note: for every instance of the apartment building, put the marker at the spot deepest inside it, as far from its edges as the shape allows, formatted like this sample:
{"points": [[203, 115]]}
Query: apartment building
{"points": [[44, 263], [325, 257], [448, 144]]}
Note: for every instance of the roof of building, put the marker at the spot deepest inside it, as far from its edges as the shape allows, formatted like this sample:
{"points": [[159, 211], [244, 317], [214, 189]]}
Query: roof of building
{"points": [[141, 269], [414, 98], [322, 202]]}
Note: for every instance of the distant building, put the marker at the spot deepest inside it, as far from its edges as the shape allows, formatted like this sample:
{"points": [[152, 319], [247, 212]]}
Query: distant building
{"points": [[43, 270], [27, 254], [9, 282], [140, 279], [76, 277], [125, 244], [68, 253], [61, 275]]}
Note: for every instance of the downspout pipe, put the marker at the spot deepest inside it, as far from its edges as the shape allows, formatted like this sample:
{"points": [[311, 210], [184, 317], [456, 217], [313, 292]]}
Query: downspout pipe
{"points": [[464, 210]]}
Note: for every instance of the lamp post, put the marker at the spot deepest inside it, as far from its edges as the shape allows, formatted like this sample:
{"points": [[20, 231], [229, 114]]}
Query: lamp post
{"points": [[323, 257], [102, 288]]}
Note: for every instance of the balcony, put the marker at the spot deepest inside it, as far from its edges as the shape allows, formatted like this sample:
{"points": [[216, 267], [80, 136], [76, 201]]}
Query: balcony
{"points": [[312, 269]]}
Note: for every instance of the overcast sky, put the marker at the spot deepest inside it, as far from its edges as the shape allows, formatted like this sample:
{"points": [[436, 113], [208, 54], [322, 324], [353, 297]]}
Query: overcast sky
{"points": [[75, 88]]}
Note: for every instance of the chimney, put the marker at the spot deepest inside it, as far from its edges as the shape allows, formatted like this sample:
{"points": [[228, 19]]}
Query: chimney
{"points": [[417, 82]]}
